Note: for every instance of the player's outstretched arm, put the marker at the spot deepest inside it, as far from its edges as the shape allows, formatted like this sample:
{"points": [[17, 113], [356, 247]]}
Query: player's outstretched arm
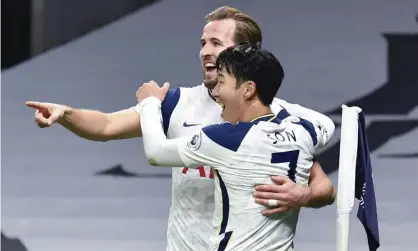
{"points": [[88, 124]]}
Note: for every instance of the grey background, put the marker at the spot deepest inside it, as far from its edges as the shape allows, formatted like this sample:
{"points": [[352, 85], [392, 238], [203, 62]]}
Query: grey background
{"points": [[333, 51], [55, 22]]}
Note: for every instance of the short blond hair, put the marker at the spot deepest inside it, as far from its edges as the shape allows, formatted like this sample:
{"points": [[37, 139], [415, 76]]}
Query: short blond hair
{"points": [[246, 30]]}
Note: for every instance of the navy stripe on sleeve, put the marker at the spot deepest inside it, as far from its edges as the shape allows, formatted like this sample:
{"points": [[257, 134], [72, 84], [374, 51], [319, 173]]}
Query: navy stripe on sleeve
{"points": [[168, 105]]}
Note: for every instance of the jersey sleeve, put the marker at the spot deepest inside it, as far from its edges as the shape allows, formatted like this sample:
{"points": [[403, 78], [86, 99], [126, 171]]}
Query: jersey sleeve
{"points": [[168, 105], [199, 150], [159, 150], [322, 123], [213, 145], [191, 151], [315, 131]]}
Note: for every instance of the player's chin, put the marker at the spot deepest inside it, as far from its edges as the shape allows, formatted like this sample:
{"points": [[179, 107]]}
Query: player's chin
{"points": [[210, 80], [211, 74]]}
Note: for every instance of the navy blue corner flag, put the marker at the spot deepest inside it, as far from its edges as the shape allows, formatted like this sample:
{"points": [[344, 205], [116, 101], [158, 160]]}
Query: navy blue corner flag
{"points": [[367, 211]]}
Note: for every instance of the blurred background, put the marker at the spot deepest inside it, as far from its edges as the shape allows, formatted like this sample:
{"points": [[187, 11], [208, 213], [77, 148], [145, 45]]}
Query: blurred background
{"points": [[60, 192]]}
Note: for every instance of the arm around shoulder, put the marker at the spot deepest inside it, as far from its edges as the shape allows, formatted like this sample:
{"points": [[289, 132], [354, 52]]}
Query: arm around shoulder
{"points": [[328, 126], [322, 191], [190, 151]]}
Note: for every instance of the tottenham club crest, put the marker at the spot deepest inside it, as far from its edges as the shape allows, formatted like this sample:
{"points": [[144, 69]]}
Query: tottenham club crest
{"points": [[194, 142]]}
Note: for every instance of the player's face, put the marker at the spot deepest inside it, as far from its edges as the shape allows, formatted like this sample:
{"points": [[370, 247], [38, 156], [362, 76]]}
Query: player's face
{"points": [[230, 97], [217, 36]]}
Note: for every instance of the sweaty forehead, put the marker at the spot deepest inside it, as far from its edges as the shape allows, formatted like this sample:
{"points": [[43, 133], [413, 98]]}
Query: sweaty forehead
{"points": [[220, 29]]}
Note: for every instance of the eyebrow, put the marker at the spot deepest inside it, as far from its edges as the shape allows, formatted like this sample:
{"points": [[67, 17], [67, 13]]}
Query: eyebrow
{"points": [[213, 39], [216, 40]]}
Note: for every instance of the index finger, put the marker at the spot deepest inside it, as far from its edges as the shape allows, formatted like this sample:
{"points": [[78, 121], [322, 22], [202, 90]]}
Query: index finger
{"points": [[34, 104]]}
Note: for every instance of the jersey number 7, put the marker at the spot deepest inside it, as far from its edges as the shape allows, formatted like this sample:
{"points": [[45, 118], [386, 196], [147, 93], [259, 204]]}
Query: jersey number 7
{"points": [[283, 157]]}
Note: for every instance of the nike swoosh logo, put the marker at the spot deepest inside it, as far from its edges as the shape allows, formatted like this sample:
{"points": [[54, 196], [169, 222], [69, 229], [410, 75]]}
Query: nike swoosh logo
{"points": [[188, 125]]}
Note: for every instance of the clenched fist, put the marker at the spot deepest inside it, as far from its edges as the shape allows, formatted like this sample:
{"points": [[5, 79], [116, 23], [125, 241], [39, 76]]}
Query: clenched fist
{"points": [[47, 114]]}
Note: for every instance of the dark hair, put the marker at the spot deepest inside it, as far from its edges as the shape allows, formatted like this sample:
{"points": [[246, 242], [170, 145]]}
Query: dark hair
{"points": [[246, 28], [247, 62]]}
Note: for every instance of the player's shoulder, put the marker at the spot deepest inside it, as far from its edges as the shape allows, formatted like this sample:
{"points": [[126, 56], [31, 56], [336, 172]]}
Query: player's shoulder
{"points": [[193, 92], [228, 135], [188, 96], [279, 101], [279, 104], [184, 92], [279, 107], [283, 104], [180, 96], [302, 126], [171, 98]]}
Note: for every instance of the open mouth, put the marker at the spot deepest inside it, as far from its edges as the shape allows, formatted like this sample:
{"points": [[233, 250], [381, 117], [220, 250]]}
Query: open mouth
{"points": [[210, 67]]}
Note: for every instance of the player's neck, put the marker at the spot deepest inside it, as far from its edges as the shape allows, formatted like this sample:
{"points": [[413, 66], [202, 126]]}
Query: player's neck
{"points": [[255, 110], [210, 94]]}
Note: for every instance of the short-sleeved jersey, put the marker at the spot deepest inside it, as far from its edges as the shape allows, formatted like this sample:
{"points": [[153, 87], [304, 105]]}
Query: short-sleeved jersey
{"points": [[243, 156], [184, 111]]}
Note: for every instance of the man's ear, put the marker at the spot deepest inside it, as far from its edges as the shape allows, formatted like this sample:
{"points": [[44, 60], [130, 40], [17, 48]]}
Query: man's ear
{"points": [[249, 89]]}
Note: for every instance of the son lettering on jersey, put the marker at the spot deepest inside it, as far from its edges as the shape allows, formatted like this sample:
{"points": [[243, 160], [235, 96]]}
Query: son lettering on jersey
{"points": [[282, 136]]}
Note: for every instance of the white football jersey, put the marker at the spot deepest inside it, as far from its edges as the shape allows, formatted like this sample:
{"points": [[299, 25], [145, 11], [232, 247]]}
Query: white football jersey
{"points": [[243, 156], [184, 111]]}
